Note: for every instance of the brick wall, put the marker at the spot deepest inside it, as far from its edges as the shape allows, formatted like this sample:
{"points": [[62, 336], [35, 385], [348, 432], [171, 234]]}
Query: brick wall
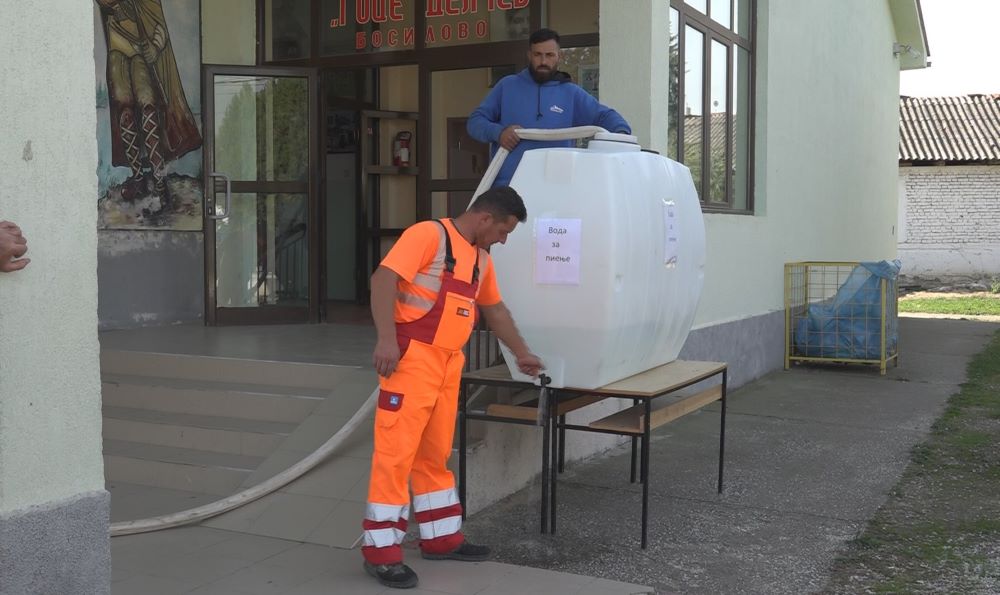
{"points": [[950, 222], [952, 204]]}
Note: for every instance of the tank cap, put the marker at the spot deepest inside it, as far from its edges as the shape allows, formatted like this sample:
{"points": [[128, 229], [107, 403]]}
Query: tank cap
{"points": [[617, 137]]}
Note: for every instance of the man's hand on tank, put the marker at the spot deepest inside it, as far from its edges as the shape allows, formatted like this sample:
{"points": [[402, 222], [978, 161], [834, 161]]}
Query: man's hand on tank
{"points": [[509, 138], [530, 364]]}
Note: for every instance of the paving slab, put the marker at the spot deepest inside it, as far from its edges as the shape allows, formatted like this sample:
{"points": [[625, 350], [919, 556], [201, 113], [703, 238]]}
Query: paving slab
{"points": [[811, 453], [201, 560]]}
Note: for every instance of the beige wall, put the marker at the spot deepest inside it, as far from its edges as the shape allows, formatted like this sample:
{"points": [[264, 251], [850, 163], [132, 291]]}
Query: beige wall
{"points": [[454, 94], [50, 399], [581, 16], [399, 193], [228, 32]]}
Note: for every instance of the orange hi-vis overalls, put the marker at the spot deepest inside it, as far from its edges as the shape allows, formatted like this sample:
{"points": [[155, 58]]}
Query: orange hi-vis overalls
{"points": [[415, 418]]}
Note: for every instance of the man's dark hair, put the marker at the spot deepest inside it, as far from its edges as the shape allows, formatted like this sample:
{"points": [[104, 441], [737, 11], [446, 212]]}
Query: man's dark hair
{"points": [[502, 202], [543, 35]]}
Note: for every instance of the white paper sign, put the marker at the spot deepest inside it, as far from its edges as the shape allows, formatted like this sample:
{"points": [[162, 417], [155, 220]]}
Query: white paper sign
{"points": [[670, 231], [557, 251]]}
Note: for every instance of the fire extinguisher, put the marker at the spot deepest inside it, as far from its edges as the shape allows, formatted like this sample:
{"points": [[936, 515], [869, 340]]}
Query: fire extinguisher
{"points": [[401, 148]]}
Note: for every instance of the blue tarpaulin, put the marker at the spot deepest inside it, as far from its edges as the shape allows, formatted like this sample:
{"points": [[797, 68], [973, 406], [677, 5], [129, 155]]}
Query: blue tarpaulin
{"points": [[848, 325]]}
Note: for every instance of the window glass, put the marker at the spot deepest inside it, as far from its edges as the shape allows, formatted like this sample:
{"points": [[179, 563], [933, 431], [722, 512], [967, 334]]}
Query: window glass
{"points": [[673, 86], [710, 103], [389, 25], [582, 64], [718, 108], [355, 85], [454, 22], [720, 13], [286, 29], [262, 254], [699, 5], [261, 128], [742, 10], [694, 72], [363, 27]]}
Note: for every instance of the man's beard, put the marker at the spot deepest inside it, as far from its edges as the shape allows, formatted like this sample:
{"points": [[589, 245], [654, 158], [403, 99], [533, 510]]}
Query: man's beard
{"points": [[542, 76]]}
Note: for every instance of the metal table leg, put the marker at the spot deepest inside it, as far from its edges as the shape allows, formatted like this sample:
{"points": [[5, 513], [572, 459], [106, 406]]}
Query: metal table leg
{"points": [[555, 466], [722, 428], [545, 399], [645, 471], [631, 477], [562, 443], [545, 478]]}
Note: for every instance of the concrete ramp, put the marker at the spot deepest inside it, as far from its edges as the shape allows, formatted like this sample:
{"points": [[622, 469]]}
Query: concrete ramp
{"points": [[181, 431], [326, 505]]}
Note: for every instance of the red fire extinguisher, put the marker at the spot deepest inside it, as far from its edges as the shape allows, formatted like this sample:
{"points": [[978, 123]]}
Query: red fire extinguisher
{"points": [[401, 149]]}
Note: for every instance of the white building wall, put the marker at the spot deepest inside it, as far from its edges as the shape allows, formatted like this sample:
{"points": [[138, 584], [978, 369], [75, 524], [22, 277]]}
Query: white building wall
{"points": [[952, 218], [50, 393], [53, 507], [634, 58], [826, 142]]}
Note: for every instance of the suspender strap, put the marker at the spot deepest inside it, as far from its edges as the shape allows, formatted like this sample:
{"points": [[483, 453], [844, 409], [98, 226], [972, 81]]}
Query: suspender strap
{"points": [[449, 256]]}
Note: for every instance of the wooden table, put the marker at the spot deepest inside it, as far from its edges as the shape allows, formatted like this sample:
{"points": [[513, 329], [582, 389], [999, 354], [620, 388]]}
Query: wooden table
{"points": [[636, 422]]}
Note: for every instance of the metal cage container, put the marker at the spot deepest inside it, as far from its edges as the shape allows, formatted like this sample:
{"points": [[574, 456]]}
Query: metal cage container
{"points": [[840, 312]]}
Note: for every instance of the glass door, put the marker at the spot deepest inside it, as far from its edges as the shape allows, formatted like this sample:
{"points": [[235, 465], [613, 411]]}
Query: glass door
{"points": [[260, 164], [346, 93]]}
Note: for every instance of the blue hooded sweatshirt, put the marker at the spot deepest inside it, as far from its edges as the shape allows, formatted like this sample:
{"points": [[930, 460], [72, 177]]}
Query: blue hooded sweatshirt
{"points": [[556, 103]]}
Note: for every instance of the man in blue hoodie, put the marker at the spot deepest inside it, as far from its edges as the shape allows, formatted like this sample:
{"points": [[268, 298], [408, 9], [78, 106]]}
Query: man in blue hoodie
{"points": [[540, 96]]}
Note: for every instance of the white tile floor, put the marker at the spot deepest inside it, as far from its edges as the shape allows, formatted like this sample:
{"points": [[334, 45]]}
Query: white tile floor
{"points": [[133, 501], [200, 560]]}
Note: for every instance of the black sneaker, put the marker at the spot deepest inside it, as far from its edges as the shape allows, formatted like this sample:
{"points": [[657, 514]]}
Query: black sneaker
{"points": [[398, 576], [466, 552]]}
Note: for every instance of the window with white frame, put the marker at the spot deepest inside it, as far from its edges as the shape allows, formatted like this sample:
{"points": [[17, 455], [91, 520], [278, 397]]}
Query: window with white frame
{"points": [[710, 102]]}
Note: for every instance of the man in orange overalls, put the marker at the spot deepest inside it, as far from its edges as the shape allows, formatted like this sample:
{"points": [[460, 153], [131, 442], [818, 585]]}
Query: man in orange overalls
{"points": [[424, 297]]}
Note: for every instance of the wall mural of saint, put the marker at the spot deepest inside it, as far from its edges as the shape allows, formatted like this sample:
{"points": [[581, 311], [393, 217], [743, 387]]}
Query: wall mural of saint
{"points": [[149, 125]]}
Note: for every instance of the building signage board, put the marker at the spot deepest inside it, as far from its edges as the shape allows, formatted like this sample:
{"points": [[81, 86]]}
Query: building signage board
{"points": [[386, 25]]}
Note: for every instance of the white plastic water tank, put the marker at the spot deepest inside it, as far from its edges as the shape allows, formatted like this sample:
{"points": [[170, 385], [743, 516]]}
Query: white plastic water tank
{"points": [[604, 277]]}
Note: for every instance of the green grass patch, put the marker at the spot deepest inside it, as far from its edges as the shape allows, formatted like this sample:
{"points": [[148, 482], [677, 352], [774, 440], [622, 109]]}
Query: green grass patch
{"points": [[984, 526], [892, 586], [922, 454], [970, 439], [944, 513], [969, 306]]}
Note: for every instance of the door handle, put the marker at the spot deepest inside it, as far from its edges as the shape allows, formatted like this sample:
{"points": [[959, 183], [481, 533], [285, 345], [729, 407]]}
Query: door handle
{"points": [[229, 197]]}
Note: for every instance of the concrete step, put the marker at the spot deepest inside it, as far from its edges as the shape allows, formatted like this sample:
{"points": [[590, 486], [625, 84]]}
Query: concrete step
{"points": [[230, 435], [176, 468], [286, 404], [222, 369]]}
